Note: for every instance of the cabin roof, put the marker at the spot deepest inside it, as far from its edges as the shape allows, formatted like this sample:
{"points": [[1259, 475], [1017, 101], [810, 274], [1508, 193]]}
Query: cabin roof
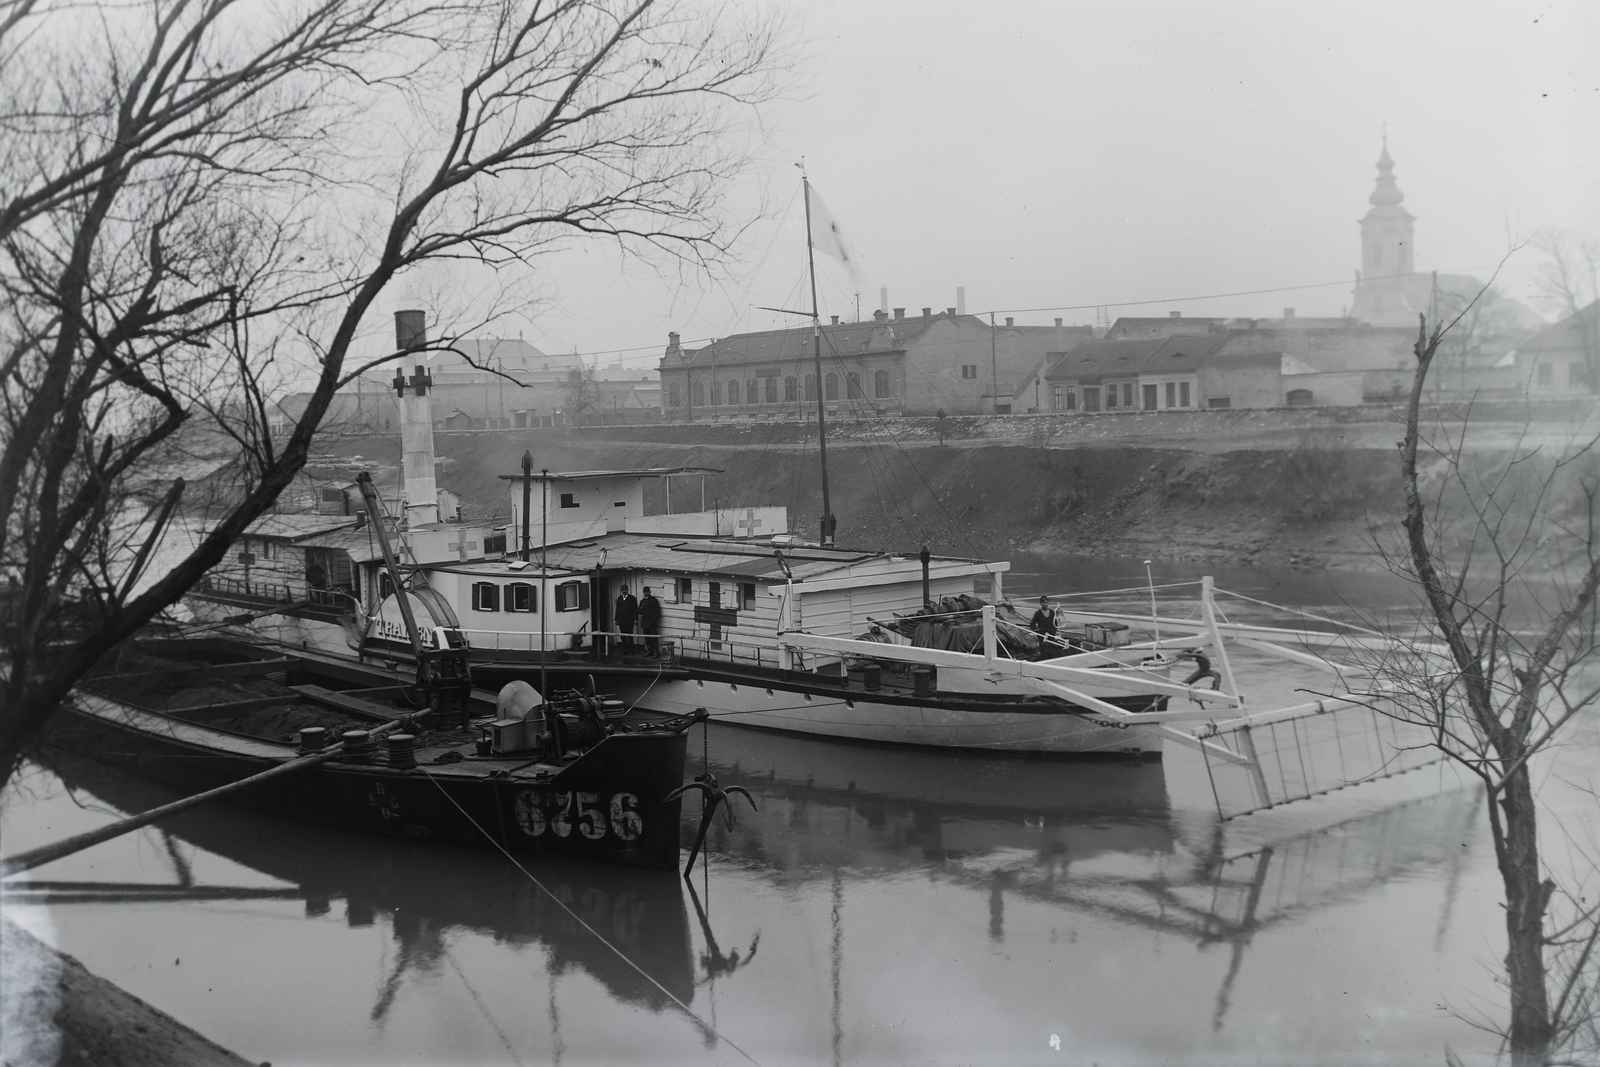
{"points": [[361, 543], [677, 554], [292, 527], [642, 472]]}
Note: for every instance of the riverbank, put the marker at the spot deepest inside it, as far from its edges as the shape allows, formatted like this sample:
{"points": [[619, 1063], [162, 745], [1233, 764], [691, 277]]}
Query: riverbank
{"points": [[57, 1012], [1290, 487]]}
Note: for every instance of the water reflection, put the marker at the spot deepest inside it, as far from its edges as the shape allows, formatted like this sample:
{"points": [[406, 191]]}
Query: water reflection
{"points": [[803, 902], [423, 892]]}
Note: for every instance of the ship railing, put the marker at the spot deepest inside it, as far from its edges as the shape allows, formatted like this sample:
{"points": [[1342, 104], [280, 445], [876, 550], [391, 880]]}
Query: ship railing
{"points": [[529, 642], [278, 592]]}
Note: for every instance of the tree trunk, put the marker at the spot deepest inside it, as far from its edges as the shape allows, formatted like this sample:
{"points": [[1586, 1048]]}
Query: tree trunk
{"points": [[1526, 898]]}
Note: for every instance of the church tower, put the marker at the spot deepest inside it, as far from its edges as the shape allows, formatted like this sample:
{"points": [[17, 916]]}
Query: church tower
{"points": [[1387, 262]]}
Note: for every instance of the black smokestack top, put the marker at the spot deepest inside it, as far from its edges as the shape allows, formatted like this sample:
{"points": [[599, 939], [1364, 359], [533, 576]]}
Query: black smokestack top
{"points": [[410, 329]]}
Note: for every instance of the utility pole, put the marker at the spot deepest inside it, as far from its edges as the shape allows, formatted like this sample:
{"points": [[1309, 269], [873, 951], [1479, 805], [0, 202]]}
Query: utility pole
{"points": [[994, 365]]}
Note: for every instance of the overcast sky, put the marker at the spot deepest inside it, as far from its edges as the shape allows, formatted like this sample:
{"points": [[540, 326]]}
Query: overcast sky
{"points": [[1104, 153]]}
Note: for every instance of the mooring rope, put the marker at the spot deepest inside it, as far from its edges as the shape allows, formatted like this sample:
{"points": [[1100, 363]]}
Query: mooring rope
{"points": [[579, 920]]}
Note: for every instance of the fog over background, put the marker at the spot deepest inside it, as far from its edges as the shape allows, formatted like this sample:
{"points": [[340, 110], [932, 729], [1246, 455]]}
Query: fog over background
{"points": [[1048, 154]]}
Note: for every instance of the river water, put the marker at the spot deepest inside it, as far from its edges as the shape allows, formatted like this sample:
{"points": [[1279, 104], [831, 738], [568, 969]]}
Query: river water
{"points": [[882, 906]]}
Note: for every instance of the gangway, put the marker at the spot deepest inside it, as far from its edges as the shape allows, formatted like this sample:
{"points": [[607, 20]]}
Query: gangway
{"points": [[1349, 733]]}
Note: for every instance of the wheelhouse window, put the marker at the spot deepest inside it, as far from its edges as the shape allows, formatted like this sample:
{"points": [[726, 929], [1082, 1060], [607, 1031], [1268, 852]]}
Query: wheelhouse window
{"points": [[572, 596], [568, 500], [494, 544], [485, 596], [520, 596], [686, 590], [747, 596]]}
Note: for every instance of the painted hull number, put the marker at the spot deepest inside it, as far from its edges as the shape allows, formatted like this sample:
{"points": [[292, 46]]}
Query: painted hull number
{"points": [[591, 815]]}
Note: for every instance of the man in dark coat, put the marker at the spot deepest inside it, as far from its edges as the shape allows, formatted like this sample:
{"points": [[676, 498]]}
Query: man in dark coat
{"points": [[650, 623], [624, 617], [1044, 620]]}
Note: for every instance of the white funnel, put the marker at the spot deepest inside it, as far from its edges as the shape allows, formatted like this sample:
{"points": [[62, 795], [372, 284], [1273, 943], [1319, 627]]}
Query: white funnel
{"points": [[416, 424]]}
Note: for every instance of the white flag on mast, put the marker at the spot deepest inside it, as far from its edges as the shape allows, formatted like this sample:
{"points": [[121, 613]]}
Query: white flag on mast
{"points": [[825, 234]]}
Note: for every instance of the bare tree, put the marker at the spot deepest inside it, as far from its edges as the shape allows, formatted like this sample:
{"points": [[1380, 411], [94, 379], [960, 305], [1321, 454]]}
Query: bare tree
{"points": [[1504, 548], [583, 394], [1569, 281], [204, 199]]}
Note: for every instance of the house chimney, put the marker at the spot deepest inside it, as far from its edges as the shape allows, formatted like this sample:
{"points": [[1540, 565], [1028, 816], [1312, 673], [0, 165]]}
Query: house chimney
{"points": [[899, 313], [1061, 337], [951, 312], [883, 298], [880, 317], [1174, 314], [927, 313], [674, 349], [961, 300], [1288, 313], [1010, 321], [835, 320], [1058, 322], [416, 424]]}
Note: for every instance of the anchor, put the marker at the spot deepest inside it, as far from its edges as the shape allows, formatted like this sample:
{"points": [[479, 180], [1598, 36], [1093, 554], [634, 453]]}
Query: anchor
{"points": [[713, 795], [1202, 670]]}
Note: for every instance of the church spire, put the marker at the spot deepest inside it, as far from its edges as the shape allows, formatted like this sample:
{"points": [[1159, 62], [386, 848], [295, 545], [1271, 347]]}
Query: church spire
{"points": [[1386, 193]]}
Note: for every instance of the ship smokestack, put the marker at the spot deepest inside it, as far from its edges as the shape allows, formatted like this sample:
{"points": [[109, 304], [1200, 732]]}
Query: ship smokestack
{"points": [[416, 423]]}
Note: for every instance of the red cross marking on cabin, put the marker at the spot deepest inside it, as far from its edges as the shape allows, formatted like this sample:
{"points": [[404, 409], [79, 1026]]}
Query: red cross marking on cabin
{"points": [[749, 524]]}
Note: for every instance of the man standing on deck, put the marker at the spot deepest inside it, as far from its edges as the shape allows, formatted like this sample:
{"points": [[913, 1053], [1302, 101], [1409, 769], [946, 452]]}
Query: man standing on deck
{"points": [[650, 623], [626, 614], [1044, 620]]}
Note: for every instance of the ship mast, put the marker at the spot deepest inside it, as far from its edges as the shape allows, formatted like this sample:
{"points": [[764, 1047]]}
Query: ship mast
{"points": [[828, 521]]}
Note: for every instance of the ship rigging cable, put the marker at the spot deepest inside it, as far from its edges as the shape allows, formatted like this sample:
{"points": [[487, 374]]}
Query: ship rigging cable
{"points": [[580, 921]]}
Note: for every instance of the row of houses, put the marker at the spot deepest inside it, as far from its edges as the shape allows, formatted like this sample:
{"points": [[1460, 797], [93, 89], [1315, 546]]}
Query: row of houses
{"points": [[961, 365]]}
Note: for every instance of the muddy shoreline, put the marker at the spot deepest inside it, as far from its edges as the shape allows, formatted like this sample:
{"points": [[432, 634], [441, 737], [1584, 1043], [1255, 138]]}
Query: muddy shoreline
{"points": [[57, 1012]]}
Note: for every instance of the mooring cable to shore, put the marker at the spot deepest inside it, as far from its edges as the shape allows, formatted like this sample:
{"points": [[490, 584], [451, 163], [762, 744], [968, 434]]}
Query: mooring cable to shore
{"points": [[580, 921]]}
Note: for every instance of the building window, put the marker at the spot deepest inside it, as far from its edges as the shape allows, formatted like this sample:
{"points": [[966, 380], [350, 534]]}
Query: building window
{"points": [[567, 501], [485, 596], [1172, 394], [1055, 398], [752, 391], [853, 383], [811, 387], [686, 590], [1299, 398], [733, 392], [1575, 376], [1150, 398], [673, 398], [1127, 394], [791, 390], [1111, 398], [830, 387], [747, 596], [1091, 398], [969, 370], [772, 390], [1547, 375], [716, 393], [697, 394], [1183, 394], [520, 596], [1219, 402], [880, 384], [494, 544], [572, 596], [1072, 399]]}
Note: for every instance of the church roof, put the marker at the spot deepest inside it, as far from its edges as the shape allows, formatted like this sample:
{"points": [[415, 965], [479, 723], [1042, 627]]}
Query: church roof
{"points": [[1387, 192]]}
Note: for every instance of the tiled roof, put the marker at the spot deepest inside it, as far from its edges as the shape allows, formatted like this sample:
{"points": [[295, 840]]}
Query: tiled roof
{"points": [[1151, 355], [1566, 333], [844, 339]]}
